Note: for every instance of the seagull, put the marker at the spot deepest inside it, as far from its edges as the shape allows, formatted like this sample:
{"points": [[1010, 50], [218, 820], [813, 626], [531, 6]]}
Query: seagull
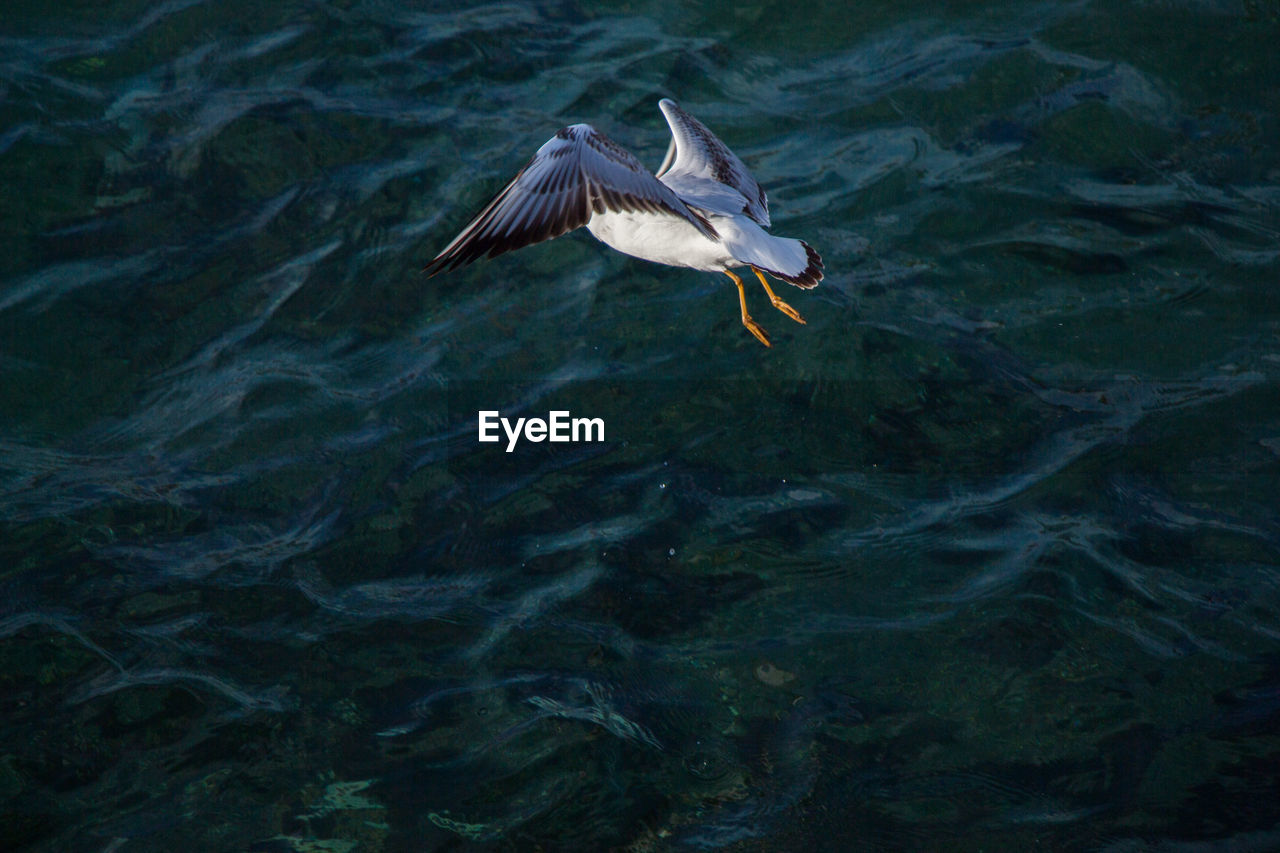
{"points": [[702, 209]]}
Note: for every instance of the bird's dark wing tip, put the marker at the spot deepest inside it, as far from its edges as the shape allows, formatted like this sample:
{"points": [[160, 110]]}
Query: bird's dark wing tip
{"points": [[439, 264]]}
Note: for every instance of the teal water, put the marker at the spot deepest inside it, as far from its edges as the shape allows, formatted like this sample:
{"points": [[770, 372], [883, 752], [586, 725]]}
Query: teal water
{"points": [[985, 556]]}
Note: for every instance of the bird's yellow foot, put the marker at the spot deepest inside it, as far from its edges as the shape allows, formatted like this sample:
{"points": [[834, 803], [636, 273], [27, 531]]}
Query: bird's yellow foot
{"points": [[752, 326], [788, 310], [777, 302], [756, 329]]}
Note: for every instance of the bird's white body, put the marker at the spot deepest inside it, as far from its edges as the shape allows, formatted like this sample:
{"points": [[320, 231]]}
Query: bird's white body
{"points": [[663, 239], [673, 241]]}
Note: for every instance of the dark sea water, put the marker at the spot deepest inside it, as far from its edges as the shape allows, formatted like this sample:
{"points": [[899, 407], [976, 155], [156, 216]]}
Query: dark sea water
{"points": [[986, 556]]}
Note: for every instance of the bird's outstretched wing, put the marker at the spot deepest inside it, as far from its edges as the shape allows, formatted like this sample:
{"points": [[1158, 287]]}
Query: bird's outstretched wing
{"points": [[577, 172], [703, 167]]}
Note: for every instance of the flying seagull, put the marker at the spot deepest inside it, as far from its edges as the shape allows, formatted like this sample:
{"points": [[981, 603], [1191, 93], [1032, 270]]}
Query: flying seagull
{"points": [[702, 209]]}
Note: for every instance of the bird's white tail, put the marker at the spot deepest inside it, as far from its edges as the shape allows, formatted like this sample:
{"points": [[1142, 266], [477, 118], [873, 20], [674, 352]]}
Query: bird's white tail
{"points": [[792, 261]]}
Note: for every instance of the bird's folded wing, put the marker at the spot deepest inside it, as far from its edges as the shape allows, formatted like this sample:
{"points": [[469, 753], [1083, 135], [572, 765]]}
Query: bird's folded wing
{"points": [[701, 158], [577, 172]]}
